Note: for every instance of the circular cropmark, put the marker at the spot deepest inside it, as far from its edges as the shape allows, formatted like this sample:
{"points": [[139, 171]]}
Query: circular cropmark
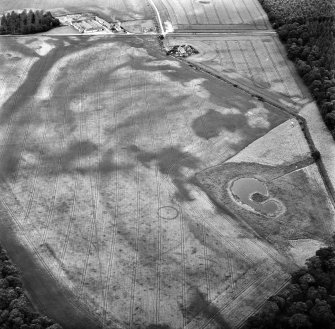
{"points": [[168, 212]]}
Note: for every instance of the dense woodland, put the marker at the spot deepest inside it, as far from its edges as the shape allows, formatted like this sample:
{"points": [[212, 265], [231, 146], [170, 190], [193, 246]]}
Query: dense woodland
{"points": [[27, 22], [307, 28], [15, 310], [308, 302]]}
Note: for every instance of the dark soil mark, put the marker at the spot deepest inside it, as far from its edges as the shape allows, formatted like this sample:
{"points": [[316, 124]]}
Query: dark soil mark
{"points": [[170, 161], [200, 305], [212, 123]]}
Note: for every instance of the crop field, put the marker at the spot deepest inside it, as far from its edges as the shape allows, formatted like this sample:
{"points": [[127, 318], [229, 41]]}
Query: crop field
{"points": [[293, 147], [255, 60], [112, 9], [211, 15], [100, 141], [116, 164]]}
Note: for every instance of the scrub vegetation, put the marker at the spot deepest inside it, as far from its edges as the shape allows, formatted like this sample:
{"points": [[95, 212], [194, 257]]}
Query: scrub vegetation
{"points": [[307, 29], [15, 309]]}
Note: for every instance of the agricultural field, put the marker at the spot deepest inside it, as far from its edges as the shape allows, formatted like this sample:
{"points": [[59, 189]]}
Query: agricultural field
{"points": [[110, 9], [266, 150], [212, 15], [255, 60], [117, 165], [99, 177]]}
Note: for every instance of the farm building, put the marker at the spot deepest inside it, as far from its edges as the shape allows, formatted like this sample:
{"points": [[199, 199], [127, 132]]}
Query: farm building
{"points": [[87, 25], [103, 22]]}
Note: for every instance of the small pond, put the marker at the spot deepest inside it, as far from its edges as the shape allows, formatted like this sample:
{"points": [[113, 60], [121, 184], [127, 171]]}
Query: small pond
{"points": [[254, 193]]}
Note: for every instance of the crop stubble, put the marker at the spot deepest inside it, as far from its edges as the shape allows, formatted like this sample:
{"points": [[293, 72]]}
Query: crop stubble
{"points": [[106, 153]]}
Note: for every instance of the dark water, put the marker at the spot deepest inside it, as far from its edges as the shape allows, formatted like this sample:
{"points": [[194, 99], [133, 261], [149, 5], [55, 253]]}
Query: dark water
{"points": [[244, 188], [44, 291]]}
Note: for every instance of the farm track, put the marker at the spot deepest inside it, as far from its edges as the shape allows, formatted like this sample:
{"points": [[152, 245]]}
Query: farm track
{"points": [[137, 219], [94, 185], [182, 242], [111, 247], [75, 191], [159, 222], [36, 172], [26, 212], [93, 182]]}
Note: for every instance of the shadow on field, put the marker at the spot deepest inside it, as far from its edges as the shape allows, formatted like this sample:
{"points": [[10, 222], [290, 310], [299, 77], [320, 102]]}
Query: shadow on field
{"points": [[68, 161], [170, 162], [199, 305]]}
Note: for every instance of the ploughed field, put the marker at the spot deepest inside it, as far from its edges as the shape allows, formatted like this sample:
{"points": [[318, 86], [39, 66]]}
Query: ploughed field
{"points": [[100, 141], [111, 9], [213, 15], [257, 61]]}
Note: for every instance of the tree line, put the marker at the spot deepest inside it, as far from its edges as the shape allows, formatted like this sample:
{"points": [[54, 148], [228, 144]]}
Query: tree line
{"points": [[308, 302], [15, 309], [307, 29], [27, 22]]}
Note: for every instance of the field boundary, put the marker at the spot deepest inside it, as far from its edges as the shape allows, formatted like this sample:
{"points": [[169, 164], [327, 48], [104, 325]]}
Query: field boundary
{"points": [[254, 92]]}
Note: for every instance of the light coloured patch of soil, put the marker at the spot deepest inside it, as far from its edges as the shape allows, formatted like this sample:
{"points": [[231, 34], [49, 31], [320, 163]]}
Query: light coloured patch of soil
{"points": [[285, 143], [303, 249]]}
